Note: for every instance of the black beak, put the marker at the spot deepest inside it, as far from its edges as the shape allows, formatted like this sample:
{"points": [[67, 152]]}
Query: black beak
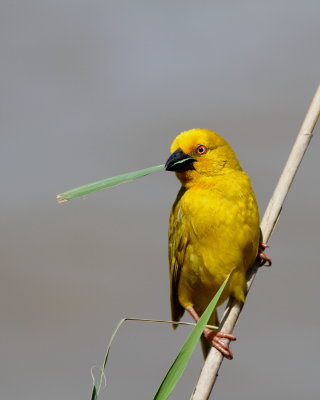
{"points": [[179, 161]]}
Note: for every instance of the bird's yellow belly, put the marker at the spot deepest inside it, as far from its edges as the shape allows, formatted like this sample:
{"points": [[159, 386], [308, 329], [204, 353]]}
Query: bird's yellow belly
{"points": [[199, 281], [219, 243]]}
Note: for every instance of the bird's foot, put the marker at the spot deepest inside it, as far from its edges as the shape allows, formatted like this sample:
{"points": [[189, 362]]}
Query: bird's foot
{"points": [[214, 338], [262, 256]]}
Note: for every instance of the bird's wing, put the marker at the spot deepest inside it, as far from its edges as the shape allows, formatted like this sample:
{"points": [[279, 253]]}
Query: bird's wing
{"points": [[178, 242]]}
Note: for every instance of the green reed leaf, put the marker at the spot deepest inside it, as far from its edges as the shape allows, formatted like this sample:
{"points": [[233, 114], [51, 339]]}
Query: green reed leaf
{"points": [[176, 370]]}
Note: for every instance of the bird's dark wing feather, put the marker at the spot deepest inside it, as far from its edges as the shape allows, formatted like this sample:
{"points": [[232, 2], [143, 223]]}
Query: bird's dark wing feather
{"points": [[178, 242]]}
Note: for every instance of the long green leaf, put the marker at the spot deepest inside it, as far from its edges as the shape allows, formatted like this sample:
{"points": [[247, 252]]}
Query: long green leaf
{"points": [[180, 363], [105, 183]]}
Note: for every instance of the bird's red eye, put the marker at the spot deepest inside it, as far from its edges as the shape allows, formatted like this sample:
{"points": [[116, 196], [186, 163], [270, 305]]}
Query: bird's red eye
{"points": [[201, 149]]}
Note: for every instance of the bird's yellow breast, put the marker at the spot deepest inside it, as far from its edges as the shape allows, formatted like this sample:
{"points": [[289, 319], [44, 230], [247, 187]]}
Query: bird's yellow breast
{"points": [[216, 222]]}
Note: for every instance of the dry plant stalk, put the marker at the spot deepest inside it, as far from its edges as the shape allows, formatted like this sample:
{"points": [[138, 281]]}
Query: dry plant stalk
{"points": [[214, 359]]}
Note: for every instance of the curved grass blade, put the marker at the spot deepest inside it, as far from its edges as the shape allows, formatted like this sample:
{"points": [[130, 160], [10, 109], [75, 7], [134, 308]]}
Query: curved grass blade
{"points": [[97, 387], [176, 370], [105, 183]]}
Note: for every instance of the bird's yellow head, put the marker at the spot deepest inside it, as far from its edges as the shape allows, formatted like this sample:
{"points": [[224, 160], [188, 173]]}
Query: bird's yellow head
{"points": [[200, 153]]}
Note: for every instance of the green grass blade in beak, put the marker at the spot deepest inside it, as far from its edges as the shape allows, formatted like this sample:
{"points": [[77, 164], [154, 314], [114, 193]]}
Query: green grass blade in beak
{"points": [[105, 183]]}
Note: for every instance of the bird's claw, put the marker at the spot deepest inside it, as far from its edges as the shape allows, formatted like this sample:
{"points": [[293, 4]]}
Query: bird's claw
{"points": [[263, 257], [214, 339]]}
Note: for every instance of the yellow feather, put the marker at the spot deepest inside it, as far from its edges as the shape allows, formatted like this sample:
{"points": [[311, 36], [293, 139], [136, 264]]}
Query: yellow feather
{"points": [[214, 224]]}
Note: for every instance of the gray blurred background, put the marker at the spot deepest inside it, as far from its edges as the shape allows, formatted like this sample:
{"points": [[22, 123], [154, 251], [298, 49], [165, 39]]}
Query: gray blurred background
{"points": [[91, 89]]}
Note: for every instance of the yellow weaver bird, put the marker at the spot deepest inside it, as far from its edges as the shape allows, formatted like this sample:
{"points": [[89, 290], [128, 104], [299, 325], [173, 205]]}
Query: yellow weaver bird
{"points": [[213, 230]]}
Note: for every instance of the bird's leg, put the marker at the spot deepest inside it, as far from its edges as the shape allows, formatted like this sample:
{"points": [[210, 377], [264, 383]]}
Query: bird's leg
{"points": [[214, 338], [262, 256]]}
